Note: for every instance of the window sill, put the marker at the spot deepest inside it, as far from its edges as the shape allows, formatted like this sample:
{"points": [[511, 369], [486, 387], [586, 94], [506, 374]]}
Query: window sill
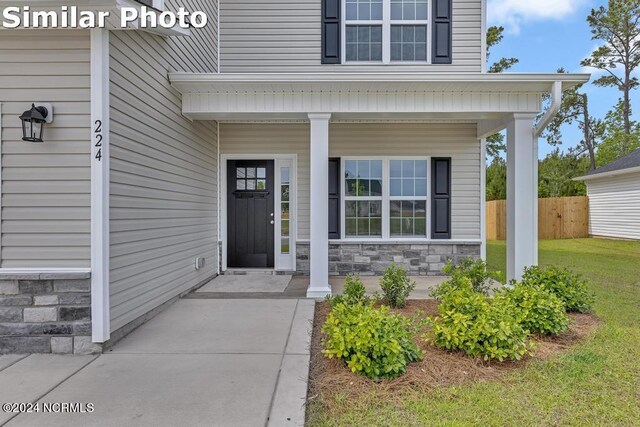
{"points": [[378, 63], [417, 240]]}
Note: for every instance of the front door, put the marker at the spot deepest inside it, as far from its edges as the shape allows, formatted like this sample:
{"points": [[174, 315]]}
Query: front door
{"points": [[250, 213]]}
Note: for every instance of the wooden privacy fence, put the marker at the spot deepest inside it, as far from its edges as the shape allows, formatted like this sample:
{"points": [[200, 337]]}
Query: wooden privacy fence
{"points": [[558, 218]]}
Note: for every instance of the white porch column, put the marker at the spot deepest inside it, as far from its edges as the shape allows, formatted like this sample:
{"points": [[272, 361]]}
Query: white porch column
{"points": [[319, 247], [522, 195]]}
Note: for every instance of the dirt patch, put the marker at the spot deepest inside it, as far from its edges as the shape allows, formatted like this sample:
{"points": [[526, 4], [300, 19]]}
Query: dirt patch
{"points": [[438, 367]]}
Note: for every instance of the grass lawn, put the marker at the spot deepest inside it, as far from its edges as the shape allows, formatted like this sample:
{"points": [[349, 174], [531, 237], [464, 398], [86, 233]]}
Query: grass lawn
{"points": [[595, 383]]}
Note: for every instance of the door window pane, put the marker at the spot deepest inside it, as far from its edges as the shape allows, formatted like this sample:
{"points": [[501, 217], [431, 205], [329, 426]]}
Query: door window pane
{"points": [[285, 220], [251, 179]]}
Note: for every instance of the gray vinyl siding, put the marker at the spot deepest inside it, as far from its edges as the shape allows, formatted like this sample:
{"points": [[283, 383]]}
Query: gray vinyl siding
{"points": [[163, 195], [614, 206], [458, 141], [284, 36], [197, 53], [45, 187]]}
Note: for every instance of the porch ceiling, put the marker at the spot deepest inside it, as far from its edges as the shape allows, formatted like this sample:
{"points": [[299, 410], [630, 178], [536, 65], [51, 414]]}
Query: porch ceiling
{"points": [[364, 96]]}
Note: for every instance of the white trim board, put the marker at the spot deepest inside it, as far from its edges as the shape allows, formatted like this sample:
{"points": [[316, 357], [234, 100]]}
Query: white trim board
{"points": [[293, 212], [44, 270], [100, 315], [483, 198], [0, 184]]}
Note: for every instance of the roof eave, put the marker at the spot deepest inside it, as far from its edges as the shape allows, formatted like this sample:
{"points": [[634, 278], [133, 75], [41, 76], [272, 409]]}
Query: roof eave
{"points": [[608, 174]]}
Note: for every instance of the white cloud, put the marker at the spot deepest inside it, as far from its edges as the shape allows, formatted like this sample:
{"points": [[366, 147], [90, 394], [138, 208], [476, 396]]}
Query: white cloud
{"points": [[513, 13]]}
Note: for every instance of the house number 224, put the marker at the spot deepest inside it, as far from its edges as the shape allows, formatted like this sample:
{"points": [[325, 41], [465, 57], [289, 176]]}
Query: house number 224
{"points": [[97, 132]]}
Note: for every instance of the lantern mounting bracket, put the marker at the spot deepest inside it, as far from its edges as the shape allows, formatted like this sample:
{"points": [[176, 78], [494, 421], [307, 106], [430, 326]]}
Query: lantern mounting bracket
{"points": [[49, 107]]}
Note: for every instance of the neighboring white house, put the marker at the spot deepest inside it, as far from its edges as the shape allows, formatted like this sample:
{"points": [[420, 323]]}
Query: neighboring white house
{"points": [[312, 137], [614, 198]]}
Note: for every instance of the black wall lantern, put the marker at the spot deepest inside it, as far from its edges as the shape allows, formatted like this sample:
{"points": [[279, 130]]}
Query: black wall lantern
{"points": [[33, 122]]}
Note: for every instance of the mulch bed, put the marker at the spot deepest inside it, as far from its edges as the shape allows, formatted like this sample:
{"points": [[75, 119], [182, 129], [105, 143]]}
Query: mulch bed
{"points": [[438, 368]]}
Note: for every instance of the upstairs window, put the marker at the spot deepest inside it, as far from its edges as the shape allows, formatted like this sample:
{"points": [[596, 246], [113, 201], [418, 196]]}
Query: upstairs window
{"points": [[386, 31]]}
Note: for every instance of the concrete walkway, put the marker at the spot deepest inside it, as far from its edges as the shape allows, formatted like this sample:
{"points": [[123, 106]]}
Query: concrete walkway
{"points": [[201, 362]]}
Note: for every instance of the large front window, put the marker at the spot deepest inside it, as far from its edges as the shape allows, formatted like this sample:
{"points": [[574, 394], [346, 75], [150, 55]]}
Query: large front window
{"points": [[385, 198], [386, 30]]}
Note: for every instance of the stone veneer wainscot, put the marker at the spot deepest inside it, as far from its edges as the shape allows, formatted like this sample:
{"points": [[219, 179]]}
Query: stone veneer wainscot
{"points": [[372, 258], [46, 313]]}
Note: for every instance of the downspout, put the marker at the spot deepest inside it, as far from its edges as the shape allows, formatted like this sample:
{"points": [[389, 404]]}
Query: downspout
{"points": [[556, 102]]}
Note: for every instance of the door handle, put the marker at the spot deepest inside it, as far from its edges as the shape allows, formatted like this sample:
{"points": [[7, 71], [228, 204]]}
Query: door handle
{"points": [[272, 222]]}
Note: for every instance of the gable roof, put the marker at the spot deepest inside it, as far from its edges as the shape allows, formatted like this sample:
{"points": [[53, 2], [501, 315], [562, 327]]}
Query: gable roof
{"points": [[625, 163]]}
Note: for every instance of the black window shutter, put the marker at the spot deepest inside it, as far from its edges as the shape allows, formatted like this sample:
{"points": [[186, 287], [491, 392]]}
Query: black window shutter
{"points": [[441, 198], [331, 31], [334, 198], [442, 32]]}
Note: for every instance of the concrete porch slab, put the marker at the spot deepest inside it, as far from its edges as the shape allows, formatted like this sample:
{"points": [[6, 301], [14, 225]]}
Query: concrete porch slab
{"points": [[215, 326], [247, 283]]}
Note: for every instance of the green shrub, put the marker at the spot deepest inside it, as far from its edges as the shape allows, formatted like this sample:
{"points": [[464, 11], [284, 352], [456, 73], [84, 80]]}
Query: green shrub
{"points": [[537, 309], [453, 284], [371, 341], [354, 293], [569, 287], [396, 285], [475, 270], [479, 326]]}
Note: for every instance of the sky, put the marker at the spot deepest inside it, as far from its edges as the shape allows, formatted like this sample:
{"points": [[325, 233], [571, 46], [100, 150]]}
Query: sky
{"points": [[546, 35]]}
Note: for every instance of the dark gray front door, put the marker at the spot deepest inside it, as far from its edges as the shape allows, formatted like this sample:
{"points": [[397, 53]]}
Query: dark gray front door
{"points": [[250, 213]]}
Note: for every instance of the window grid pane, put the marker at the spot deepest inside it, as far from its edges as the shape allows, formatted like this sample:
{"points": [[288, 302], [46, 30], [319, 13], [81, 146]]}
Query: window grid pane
{"points": [[408, 178], [408, 43], [407, 218], [363, 178], [364, 10], [363, 218], [409, 10], [364, 43]]}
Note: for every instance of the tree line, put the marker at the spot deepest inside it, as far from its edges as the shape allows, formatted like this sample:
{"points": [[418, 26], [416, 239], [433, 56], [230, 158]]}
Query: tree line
{"points": [[616, 28]]}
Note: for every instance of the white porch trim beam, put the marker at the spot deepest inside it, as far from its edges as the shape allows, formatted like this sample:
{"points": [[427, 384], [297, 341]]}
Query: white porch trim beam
{"points": [[522, 195], [430, 96], [100, 318], [486, 128], [319, 170]]}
